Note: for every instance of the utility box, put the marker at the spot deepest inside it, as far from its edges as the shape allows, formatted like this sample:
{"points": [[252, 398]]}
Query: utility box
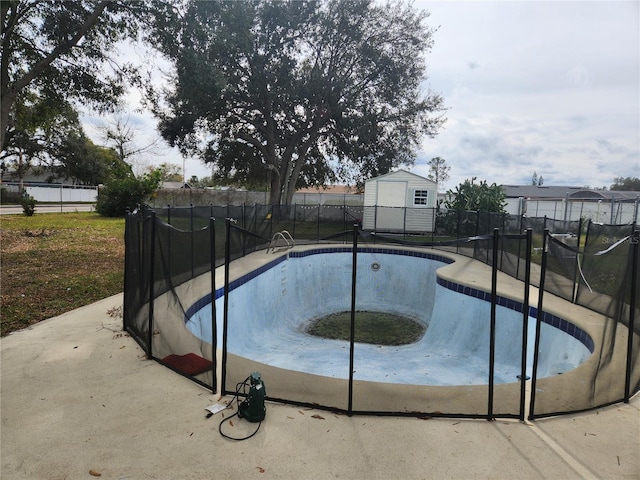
{"points": [[399, 201]]}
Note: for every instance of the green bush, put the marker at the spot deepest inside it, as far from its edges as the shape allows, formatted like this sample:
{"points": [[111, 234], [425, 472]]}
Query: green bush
{"points": [[118, 195], [28, 205], [476, 197]]}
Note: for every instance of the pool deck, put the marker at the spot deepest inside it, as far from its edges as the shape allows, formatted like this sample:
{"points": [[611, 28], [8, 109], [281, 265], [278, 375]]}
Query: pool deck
{"points": [[78, 398]]}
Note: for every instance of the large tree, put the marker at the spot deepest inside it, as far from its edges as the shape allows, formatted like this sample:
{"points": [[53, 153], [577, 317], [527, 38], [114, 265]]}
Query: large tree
{"points": [[38, 132], [65, 50], [298, 92], [79, 159]]}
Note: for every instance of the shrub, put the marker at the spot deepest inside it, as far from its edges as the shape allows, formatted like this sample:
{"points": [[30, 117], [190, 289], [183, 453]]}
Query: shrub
{"points": [[28, 205], [471, 196], [118, 195]]}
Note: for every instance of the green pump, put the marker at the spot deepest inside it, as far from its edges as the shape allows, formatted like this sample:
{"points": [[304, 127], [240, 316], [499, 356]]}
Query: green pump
{"points": [[252, 408]]}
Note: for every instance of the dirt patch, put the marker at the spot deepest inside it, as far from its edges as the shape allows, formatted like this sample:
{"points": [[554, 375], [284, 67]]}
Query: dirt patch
{"points": [[378, 328]]}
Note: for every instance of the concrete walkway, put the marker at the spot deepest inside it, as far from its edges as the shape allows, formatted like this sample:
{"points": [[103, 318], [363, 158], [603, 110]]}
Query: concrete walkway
{"points": [[79, 399]]}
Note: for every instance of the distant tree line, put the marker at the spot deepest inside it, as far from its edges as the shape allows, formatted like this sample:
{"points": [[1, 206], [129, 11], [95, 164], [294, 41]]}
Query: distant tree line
{"points": [[629, 184]]}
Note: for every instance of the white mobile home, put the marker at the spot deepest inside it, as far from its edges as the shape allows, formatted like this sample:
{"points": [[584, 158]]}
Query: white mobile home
{"points": [[399, 201]]}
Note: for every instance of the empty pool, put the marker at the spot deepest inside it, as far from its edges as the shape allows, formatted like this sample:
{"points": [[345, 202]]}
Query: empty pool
{"points": [[270, 308]]}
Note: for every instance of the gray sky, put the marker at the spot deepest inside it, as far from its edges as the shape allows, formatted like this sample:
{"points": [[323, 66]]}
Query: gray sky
{"points": [[551, 87]]}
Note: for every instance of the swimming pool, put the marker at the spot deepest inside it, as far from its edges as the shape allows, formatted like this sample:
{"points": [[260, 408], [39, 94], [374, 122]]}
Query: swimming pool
{"points": [[270, 307]]}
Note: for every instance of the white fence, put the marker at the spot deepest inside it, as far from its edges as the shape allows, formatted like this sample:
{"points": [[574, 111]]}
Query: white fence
{"points": [[611, 212], [57, 193]]}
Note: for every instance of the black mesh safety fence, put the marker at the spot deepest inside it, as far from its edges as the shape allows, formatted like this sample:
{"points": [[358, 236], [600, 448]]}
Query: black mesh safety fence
{"points": [[137, 278], [304, 223], [470, 361], [176, 270], [182, 331], [262, 321], [352, 373], [562, 262], [284, 267], [606, 284], [632, 383], [603, 271]]}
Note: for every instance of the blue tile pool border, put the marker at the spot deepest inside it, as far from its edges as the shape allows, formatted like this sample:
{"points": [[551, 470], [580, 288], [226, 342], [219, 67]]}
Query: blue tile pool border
{"points": [[548, 318]]}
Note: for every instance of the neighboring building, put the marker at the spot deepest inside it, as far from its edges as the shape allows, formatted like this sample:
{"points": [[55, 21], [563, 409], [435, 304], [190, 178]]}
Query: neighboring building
{"points": [[399, 201], [42, 184], [32, 175], [572, 203], [174, 185]]}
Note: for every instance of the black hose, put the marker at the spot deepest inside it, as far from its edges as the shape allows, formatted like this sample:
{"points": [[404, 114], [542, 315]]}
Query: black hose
{"points": [[242, 385]]}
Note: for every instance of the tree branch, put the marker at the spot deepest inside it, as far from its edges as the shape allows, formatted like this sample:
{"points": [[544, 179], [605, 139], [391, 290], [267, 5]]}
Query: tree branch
{"points": [[61, 49]]}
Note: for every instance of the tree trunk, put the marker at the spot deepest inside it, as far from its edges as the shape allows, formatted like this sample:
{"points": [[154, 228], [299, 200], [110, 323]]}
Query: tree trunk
{"points": [[276, 189], [5, 110], [293, 178]]}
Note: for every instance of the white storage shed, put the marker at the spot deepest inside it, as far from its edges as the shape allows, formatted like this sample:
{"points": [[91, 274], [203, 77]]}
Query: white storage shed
{"points": [[399, 201]]}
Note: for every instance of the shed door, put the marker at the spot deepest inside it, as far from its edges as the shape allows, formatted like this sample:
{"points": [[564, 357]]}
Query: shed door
{"points": [[391, 202], [392, 194]]}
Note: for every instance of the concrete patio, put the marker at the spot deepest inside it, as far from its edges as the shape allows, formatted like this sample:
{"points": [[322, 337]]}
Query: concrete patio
{"points": [[79, 399]]}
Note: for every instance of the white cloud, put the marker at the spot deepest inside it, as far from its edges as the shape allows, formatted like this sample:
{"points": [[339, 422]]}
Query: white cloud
{"points": [[550, 87]]}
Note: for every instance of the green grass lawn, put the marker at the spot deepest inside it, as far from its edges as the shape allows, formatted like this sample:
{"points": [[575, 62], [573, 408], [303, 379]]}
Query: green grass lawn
{"points": [[52, 263]]}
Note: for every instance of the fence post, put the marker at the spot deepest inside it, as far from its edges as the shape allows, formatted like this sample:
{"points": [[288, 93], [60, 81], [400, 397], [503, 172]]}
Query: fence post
{"points": [[214, 333], [635, 239], [492, 335], [295, 207], [318, 225], [191, 238], [353, 317], [574, 292], [457, 230], [404, 223], [152, 219], [225, 313], [127, 268], [613, 200], [375, 217], [536, 348], [525, 325]]}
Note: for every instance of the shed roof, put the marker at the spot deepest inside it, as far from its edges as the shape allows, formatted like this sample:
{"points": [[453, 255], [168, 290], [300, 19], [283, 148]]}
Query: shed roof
{"points": [[557, 191], [401, 171], [542, 191]]}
